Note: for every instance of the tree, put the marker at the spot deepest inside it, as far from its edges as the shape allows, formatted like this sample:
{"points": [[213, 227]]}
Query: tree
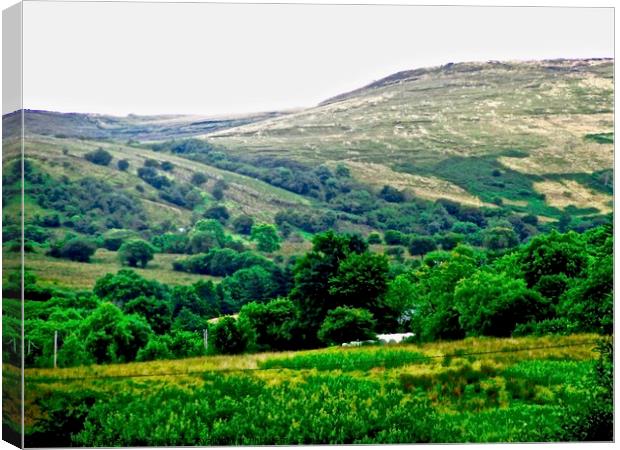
{"points": [[361, 281], [344, 324], [311, 274], [199, 178], [269, 326], [393, 237], [247, 285], [226, 336], [391, 194], [111, 336], [217, 212], [136, 252], [553, 254], [126, 285], [157, 312], [421, 245], [122, 164], [75, 249], [99, 156], [243, 224], [492, 304], [374, 238], [167, 166], [266, 237], [499, 238]]}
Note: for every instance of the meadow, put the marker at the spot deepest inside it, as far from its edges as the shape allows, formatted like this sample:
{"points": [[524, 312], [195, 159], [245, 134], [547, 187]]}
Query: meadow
{"points": [[473, 390]]}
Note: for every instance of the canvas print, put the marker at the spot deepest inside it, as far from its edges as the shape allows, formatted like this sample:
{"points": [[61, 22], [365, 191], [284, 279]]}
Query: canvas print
{"points": [[280, 224]]}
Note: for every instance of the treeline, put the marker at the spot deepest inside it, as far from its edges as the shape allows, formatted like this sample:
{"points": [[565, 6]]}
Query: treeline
{"points": [[338, 292]]}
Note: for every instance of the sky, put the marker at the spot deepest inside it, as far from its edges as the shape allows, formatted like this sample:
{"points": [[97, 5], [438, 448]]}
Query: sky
{"points": [[218, 59]]}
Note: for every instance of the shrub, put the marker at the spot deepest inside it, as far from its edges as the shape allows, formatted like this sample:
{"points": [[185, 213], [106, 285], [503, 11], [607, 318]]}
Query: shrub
{"points": [[266, 237], [122, 164], [99, 156], [374, 238], [199, 178], [167, 166], [269, 326], [421, 245], [218, 212], [76, 249], [136, 252], [226, 336], [345, 324], [243, 224]]}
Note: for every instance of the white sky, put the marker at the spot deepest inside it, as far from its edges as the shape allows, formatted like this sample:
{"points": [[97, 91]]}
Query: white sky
{"points": [[120, 58]]}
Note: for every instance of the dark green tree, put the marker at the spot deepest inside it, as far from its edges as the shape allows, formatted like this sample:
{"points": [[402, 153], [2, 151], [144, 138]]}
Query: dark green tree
{"points": [[136, 252], [344, 324]]}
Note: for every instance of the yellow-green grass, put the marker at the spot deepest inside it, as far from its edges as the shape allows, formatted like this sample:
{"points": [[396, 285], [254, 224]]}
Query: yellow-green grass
{"points": [[77, 275]]}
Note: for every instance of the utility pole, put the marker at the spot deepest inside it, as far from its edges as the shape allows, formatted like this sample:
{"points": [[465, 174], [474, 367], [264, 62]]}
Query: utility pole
{"points": [[205, 336], [55, 347]]}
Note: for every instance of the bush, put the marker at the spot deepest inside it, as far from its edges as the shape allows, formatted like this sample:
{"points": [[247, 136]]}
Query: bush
{"points": [[167, 166], [136, 252], [374, 238], [122, 164], [266, 237], [421, 245], [345, 324], [243, 224], [99, 156], [226, 336], [76, 249], [393, 237], [219, 213], [199, 178], [269, 326]]}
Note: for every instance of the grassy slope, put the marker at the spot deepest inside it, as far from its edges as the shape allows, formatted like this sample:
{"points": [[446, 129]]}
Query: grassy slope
{"points": [[244, 195], [419, 122]]}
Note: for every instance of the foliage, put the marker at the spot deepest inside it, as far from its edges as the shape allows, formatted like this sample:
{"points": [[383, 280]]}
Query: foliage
{"points": [[76, 249], [269, 326], [136, 252], [266, 237], [226, 336], [344, 324], [99, 156]]}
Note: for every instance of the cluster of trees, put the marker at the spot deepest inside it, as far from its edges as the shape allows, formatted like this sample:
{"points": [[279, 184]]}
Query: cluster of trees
{"points": [[337, 292]]}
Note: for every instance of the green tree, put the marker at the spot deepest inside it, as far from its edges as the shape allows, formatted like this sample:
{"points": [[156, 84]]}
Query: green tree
{"points": [[492, 304], [421, 245], [122, 164], [247, 285], [136, 252], [311, 274], [157, 312], [226, 337], [270, 326], [111, 336], [126, 285], [344, 324], [99, 156], [500, 238], [374, 238], [243, 224], [76, 249], [361, 282], [266, 237]]}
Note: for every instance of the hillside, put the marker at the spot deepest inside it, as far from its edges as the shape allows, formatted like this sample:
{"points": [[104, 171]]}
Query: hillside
{"points": [[540, 123], [131, 127]]}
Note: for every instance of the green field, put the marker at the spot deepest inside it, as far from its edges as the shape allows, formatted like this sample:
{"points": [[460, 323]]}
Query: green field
{"points": [[476, 390]]}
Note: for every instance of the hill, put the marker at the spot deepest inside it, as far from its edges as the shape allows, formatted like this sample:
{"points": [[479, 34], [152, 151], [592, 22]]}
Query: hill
{"points": [[131, 127], [441, 132]]}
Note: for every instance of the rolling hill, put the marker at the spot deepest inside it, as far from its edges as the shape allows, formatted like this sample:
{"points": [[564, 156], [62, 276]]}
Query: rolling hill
{"points": [[439, 132]]}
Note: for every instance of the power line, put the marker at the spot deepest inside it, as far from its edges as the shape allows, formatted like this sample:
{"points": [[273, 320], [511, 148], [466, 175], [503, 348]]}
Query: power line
{"points": [[243, 370]]}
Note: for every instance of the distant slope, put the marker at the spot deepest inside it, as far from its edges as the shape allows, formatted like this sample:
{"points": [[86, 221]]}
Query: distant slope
{"points": [[139, 128], [532, 121]]}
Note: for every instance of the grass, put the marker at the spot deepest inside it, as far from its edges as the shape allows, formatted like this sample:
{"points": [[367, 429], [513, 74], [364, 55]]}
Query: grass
{"points": [[365, 395], [71, 274]]}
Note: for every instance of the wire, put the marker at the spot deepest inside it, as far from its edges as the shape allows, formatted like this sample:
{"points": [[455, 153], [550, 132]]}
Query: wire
{"points": [[55, 379]]}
